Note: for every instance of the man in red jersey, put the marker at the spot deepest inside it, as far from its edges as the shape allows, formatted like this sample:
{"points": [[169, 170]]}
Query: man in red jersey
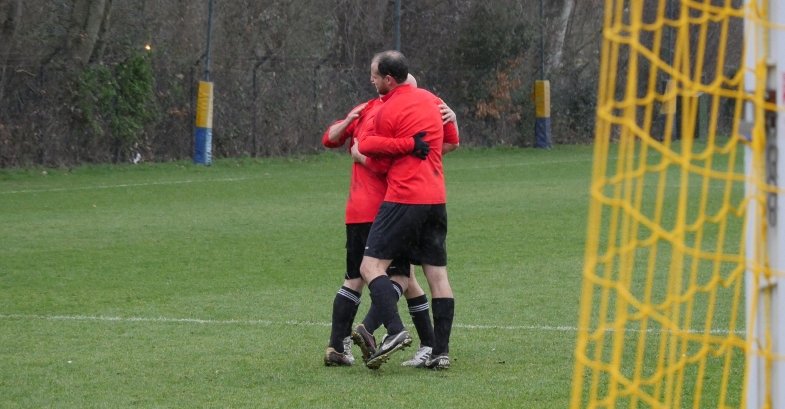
{"points": [[415, 297], [414, 212], [367, 189]]}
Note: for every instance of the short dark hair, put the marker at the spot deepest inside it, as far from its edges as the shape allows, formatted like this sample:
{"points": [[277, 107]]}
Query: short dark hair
{"points": [[394, 64]]}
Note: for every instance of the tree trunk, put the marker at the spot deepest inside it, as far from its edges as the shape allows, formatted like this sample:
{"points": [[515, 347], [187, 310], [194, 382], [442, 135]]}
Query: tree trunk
{"points": [[10, 15], [87, 19], [100, 45], [563, 23]]}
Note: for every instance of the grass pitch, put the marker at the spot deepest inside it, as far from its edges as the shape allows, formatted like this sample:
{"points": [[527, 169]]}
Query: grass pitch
{"points": [[174, 285]]}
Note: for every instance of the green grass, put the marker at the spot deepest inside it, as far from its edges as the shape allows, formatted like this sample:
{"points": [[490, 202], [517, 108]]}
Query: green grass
{"points": [[174, 285]]}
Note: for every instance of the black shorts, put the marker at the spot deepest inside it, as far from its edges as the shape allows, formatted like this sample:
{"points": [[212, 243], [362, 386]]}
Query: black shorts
{"points": [[356, 236], [417, 232]]}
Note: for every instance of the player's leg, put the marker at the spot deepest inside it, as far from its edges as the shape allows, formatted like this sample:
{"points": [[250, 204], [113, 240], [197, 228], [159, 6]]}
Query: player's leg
{"points": [[434, 262], [400, 279], [385, 298], [417, 302], [347, 299], [383, 244], [389, 236], [443, 303], [362, 335], [438, 281]]}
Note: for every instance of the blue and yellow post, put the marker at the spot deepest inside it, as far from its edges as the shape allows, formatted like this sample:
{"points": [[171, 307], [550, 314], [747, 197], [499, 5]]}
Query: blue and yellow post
{"points": [[203, 134], [542, 124]]}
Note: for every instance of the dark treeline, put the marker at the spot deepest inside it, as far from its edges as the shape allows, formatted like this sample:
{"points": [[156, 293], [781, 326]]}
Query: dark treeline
{"points": [[77, 84]]}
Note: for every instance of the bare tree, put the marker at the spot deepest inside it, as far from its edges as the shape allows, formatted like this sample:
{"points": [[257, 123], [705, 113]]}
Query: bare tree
{"points": [[89, 19], [10, 15], [562, 24]]}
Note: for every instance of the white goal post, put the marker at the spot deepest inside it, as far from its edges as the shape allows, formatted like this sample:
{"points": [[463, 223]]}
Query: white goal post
{"points": [[765, 45]]}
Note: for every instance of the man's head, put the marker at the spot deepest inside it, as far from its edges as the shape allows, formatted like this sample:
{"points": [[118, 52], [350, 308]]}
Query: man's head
{"points": [[388, 70]]}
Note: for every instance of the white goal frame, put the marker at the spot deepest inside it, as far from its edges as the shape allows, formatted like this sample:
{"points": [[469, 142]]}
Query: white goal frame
{"points": [[766, 44]]}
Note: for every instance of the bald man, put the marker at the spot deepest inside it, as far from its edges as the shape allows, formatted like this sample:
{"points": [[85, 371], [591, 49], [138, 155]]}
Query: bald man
{"points": [[367, 189]]}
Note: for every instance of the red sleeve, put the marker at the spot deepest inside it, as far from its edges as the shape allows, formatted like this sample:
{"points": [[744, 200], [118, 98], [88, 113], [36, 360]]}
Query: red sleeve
{"points": [[450, 129], [377, 145], [383, 146], [451, 133], [348, 132]]}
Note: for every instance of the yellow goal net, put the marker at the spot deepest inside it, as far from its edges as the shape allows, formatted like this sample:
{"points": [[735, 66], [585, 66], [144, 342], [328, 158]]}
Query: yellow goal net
{"points": [[683, 294]]}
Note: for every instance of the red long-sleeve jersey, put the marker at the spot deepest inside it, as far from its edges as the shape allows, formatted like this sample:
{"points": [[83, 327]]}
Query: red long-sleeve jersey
{"points": [[368, 183], [405, 112]]}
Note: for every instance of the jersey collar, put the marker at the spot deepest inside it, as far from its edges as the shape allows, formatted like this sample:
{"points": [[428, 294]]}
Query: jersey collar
{"points": [[400, 88]]}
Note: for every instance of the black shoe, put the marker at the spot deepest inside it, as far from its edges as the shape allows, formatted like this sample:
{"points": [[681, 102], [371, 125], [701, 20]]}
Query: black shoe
{"points": [[335, 358], [390, 344], [441, 361], [365, 340]]}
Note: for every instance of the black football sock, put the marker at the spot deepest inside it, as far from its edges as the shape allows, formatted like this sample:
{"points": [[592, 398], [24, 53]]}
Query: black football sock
{"points": [[418, 309], [372, 321], [344, 309], [398, 289], [443, 312], [384, 296]]}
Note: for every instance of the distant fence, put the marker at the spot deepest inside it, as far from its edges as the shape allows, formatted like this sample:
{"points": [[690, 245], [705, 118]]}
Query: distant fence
{"points": [[261, 109]]}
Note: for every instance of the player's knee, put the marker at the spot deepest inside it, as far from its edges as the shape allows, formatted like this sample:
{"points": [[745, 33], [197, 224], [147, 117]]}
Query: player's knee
{"points": [[413, 289], [402, 281], [367, 271], [355, 284]]}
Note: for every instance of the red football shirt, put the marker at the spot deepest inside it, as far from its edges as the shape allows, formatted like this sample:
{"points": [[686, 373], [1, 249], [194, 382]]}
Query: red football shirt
{"points": [[405, 112], [368, 184]]}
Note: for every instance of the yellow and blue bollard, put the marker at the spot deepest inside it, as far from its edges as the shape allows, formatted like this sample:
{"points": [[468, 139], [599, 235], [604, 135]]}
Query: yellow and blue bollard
{"points": [[542, 124], [203, 135]]}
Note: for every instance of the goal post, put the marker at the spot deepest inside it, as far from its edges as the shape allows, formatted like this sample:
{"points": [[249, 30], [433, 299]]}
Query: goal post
{"points": [[683, 295], [765, 79]]}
